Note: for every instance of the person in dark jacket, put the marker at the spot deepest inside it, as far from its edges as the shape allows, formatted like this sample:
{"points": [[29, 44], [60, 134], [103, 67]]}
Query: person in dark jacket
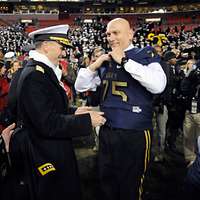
{"points": [[42, 154], [190, 88], [174, 106]]}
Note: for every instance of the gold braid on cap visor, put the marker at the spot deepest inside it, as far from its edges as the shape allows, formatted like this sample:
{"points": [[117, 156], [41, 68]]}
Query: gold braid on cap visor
{"points": [[61, 40]]}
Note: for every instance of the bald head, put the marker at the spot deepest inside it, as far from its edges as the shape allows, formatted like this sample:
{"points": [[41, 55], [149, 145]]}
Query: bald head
{"points": [[120, 21], [119, 33]]}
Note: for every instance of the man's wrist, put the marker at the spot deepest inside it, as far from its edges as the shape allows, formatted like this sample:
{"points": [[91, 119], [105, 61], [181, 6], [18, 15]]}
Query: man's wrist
{"points": [[91, 68], [94, 66]]}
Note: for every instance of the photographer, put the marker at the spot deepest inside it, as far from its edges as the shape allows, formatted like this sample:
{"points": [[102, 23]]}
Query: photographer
{"points": [[190, 87]]}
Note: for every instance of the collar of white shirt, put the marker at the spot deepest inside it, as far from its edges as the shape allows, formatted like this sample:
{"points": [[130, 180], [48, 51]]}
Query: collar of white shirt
{"points": [[129, 47], [35, 55]]}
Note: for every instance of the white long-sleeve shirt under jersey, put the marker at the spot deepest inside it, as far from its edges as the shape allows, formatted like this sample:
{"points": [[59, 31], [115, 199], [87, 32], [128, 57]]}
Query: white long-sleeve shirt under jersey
{"points": [[151, 76]]}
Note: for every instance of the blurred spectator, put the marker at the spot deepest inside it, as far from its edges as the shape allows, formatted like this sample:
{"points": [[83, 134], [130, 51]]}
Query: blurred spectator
{"points": [[189, 66], [67, 78], [191, 128], [4, 88], [174, 121], [14, 66], [1, 54]]}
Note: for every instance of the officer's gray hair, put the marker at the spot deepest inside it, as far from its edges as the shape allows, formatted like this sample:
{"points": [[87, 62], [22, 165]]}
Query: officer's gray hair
{"points": [[38, 44]]}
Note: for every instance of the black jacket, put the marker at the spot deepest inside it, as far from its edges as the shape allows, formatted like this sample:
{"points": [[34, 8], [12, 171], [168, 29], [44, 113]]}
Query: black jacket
{"points": [[49, 165], [190, 88]]}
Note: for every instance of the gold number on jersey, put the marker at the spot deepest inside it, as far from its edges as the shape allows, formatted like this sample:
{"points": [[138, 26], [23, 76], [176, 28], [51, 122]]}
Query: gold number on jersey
{"points": [[115, 89]]}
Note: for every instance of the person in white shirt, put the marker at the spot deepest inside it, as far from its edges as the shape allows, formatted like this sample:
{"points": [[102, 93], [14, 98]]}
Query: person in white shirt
{"points": [[128, 78]]}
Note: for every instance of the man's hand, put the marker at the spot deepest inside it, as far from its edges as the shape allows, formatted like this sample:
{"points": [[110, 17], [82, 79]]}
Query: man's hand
{"points": [[97, 118], [117, 54], [82, 110], [6, 134], [94, 66]]}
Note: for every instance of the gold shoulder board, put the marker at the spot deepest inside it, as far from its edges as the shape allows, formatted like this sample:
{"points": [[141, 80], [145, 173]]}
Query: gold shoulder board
{"points": [[39, 68]]}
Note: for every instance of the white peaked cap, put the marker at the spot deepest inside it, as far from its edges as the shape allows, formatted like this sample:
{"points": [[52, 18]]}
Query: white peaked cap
{"points": [[53, 33]]}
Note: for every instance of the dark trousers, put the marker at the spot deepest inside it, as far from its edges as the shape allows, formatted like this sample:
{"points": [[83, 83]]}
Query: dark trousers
{"points": [[176, 115], [122, 162]]}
